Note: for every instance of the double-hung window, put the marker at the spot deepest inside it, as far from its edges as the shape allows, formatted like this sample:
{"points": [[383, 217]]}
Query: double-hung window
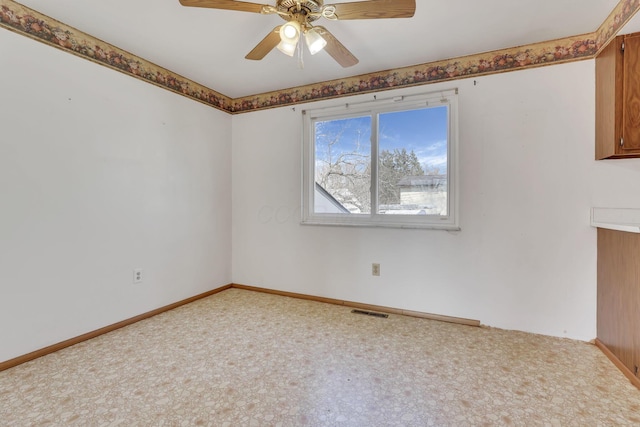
{"points": [[389, 163]]}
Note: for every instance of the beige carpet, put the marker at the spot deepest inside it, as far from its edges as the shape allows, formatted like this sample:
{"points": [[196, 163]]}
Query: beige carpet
{"points": [[241, 358]]}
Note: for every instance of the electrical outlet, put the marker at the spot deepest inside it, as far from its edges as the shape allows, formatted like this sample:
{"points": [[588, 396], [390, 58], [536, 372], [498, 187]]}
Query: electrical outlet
{"points": [[137, 275], [375, 269]]}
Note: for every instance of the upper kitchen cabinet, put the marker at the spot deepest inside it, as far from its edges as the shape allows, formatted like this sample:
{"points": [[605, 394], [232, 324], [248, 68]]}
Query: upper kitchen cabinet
{"points": [[618, 99]]}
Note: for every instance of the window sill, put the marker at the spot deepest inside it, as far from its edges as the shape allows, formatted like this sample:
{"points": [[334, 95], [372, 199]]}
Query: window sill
{"points": [[414, 226]]}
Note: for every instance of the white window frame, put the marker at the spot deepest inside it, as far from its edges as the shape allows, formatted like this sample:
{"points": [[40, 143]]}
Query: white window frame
{"points": [[374, 219]]}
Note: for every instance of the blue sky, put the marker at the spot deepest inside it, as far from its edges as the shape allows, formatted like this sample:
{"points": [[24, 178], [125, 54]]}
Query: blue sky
{"points": [[424, 131]]}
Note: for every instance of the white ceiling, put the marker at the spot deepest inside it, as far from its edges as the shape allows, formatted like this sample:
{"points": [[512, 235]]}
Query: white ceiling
{"points": [[208, 46]]}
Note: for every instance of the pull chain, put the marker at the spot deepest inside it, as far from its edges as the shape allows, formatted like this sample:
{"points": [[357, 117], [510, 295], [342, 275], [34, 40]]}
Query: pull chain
{"points": [[300, 53]]}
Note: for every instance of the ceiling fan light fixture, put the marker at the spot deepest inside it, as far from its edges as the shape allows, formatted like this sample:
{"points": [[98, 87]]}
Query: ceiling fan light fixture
{"points": [[299, 15], [290, 32], [287, 48], [315, 42]]}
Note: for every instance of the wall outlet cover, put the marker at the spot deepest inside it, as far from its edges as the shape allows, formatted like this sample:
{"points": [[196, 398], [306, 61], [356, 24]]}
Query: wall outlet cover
{"points": [[138, 275], [375, 269]]}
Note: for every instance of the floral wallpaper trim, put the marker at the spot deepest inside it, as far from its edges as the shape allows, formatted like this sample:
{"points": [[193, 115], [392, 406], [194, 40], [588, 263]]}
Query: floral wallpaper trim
{"points": [[517, 58], [37, 26], [619, 16], [511, 59]]}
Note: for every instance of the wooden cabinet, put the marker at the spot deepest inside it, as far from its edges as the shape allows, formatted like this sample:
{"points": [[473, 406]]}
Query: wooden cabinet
{"points": [[619, 298], [618, 99]]}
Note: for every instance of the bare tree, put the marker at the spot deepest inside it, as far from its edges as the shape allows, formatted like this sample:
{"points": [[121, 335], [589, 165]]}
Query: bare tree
{"points": [[343, 164]]}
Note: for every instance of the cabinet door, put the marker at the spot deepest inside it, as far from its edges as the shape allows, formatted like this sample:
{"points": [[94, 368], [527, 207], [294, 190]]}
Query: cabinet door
{"points": [[631, 95], [609, 83], [635, 304], [618, 291]]}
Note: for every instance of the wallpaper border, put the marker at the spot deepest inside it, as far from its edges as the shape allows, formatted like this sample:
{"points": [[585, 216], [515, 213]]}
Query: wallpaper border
{"points": [[511, 59], [32, 24], [35, 25], [620, 15]]}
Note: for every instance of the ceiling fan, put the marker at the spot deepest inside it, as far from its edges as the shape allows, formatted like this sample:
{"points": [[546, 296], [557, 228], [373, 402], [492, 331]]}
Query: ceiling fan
{"points": [[299, 15]]}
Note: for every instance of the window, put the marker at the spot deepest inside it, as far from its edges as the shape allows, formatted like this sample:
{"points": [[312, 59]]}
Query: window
{"points": [[384, 163]]}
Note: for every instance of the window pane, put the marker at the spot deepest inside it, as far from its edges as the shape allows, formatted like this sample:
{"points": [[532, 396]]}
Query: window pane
{"points": [[343, 166], [412, 162]]}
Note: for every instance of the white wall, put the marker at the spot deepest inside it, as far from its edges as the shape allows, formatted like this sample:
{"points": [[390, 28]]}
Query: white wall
{"points": [[526, 256], [100, 174]]}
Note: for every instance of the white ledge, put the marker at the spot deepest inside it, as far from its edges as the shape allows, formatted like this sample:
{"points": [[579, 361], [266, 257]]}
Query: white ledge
{"points": [[619, 219]]}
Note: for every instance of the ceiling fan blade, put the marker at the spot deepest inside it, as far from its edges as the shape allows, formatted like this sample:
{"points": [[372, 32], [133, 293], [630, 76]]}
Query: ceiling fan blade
{"points": [[224, 4], [336, 49], [375, 9], [266, 45]]}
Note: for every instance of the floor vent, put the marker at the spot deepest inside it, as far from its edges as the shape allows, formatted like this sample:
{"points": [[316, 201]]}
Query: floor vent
{"points": [[370, 313]]}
